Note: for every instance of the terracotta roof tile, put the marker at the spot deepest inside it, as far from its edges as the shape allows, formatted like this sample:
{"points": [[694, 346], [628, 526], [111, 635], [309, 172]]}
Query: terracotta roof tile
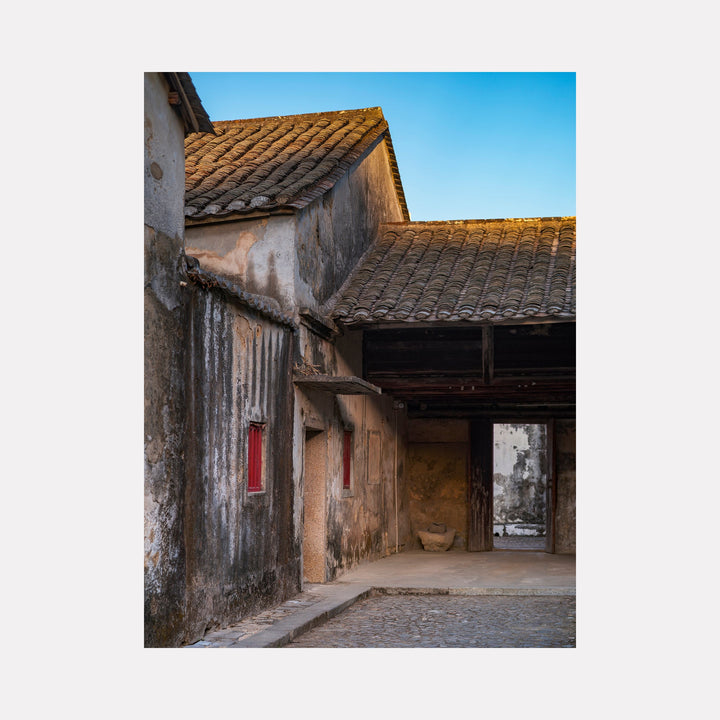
{"points": [[278, 162], [478, 270]]}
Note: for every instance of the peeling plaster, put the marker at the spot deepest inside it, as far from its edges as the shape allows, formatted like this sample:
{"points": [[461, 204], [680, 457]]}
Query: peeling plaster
{"points": [[520, 479]]}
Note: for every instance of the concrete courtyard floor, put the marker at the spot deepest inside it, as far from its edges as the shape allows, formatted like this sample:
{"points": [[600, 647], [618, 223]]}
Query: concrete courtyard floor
{"points": [[455, 572]]}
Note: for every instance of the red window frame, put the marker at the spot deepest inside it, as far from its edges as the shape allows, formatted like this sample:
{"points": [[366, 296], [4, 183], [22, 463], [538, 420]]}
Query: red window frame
{"points": [[347, 458], [255, 457]]}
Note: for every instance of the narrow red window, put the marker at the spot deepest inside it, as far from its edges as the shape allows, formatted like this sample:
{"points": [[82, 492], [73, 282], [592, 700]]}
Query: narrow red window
{"points": [[255, 443], [347, 457]]}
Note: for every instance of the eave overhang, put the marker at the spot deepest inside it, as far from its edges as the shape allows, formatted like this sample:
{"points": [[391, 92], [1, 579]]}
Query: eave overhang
{"points": [[336, 385]]}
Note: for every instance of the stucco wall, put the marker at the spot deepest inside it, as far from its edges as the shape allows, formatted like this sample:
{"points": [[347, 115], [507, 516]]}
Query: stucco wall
{"points": [[520, 479], [565, 509], [258, 254], [302, 259], [164, 163], [335, 231], [166, 304], [437, 475], [241, 552], [360, 523], [297, 260]]}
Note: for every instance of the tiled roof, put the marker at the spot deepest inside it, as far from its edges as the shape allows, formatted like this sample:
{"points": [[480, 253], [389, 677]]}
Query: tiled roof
{"points": [[478, 270], [278, 162]]}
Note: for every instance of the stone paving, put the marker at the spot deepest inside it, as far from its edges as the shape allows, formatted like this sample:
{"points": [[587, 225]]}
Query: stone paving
{"points": [[448, 621], [529, 590], [231, 636]]}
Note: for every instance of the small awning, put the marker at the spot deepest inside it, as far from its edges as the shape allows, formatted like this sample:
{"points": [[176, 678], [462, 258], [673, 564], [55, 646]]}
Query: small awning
{"points": [[350, 385]]}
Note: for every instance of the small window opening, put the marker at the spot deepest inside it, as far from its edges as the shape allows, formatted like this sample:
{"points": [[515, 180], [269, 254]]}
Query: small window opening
{"points": [[255, 457], [347, 459]]}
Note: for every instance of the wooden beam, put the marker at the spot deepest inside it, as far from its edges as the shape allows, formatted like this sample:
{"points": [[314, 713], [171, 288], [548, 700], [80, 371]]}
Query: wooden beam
{"points": [[187, 107], [488, 353]]}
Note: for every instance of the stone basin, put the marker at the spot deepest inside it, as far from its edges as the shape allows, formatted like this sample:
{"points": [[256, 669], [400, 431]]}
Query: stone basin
{"points": [[436, 541]]}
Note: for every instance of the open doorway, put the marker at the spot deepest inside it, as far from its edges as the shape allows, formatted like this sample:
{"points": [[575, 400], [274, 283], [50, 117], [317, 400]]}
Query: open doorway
{"points": [[520, 486]]}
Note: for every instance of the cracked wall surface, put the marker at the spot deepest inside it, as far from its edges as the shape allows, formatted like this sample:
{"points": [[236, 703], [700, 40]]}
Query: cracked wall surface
{"points": [[166, 308], [520, 479]]}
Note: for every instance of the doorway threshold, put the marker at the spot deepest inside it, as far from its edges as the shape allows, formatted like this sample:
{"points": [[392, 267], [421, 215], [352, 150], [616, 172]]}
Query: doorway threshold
{"points": [[535, 543]]}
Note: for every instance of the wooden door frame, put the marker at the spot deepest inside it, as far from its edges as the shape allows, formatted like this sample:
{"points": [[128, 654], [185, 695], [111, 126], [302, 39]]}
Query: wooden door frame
{"points": [[481, 486]]}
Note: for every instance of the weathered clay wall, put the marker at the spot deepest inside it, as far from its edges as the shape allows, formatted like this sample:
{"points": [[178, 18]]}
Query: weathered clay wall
{"points": [[335, 231], [166, 305], [359, 524], [241, 552], [164, 164], [302, 259], [437, 475], [258, 254], [565, 510], [371, 518], [520, 479]]}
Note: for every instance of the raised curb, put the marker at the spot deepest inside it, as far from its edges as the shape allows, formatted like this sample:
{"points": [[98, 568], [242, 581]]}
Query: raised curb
{"points": [[287, 629], [472, 591]]}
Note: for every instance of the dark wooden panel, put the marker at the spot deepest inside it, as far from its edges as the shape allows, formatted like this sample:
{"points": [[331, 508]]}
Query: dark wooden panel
{"points": [[431, 350], [478, 371], [499, 412], [480, 487], [535, 346]]}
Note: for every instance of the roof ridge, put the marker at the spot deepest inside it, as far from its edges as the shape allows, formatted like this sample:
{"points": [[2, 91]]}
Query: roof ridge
{"points": [[280, 163], [481, 220], [320, 114]]}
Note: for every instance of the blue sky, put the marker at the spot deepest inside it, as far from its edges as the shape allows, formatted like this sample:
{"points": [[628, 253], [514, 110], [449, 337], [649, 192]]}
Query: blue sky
{"points": [[468, 145]]}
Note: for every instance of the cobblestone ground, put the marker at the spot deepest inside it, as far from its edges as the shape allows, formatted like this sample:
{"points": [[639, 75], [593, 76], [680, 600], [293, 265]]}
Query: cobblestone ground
{"points": [[452, 621]]}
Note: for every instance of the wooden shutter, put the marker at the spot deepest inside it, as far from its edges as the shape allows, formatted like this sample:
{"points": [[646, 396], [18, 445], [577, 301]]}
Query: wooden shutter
{"points": [[347, 457], [255, 439]]}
